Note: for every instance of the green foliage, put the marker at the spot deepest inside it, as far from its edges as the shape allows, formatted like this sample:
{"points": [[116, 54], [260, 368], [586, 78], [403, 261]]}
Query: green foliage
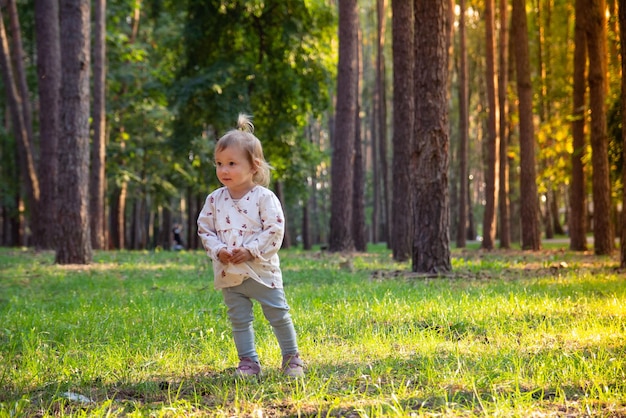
{"points": [[141, 67], [272, 60], [144, 334]]}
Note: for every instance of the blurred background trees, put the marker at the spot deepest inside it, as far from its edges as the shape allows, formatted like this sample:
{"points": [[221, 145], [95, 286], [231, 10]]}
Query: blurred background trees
{"points": [[169, 77]]}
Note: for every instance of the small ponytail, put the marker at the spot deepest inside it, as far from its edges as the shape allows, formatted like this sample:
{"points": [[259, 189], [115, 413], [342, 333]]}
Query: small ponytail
{"points": [[244, 123]]}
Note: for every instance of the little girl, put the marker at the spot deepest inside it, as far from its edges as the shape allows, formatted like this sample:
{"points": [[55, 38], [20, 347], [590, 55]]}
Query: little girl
{"points": [[241, 227]]}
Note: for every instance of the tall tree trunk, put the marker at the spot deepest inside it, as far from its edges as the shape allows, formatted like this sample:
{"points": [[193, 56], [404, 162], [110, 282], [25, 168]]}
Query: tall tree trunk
{"points": [[622, 32], [343, 145], [503, 81], [376, 184], [358, 193], [74, 241], [25, 151], [429, 156], [97, 183], [381, 117], [18, 59], [493, 144], [577, 194], [403, 122], [461, 233], [603, 234], [528, 177], [20, 71], [49, 84]]}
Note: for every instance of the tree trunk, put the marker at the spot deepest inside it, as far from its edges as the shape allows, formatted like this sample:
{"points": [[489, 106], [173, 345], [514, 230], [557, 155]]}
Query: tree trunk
{"points": [[603, 234], [49, 84], [503, 81], [622, 32], [25, 153], [343, 145], [429, 155], [74, 241], [97, 184], [461, 233], [381, 118], [577, 194], [493, 144], [117, 219], [403, 126], [358, 193], [529, 208]]}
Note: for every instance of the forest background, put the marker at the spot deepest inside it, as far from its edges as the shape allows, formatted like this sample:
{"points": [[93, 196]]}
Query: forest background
{"points": [[166, 78]]}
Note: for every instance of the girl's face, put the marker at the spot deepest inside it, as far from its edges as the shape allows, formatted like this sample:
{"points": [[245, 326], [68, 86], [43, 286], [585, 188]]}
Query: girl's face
{"points": [[235, 171]]}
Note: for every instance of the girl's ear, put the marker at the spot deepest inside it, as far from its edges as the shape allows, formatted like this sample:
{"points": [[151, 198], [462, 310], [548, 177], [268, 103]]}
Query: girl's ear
{"points": [[257, 165]]}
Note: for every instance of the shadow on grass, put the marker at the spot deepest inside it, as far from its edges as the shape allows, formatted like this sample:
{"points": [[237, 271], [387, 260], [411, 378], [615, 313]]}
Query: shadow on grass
{"points": [[391, 386]]}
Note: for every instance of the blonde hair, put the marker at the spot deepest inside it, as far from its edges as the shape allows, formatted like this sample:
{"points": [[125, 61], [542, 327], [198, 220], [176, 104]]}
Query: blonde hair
{"points": [[243, 137]]}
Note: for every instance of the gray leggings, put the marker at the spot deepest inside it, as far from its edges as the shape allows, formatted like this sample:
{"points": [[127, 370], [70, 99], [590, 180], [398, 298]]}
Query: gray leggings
{"points": [[238, 299]]}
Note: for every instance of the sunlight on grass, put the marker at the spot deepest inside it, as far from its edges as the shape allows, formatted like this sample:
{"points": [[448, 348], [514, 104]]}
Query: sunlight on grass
{"points": [[144, 334]]}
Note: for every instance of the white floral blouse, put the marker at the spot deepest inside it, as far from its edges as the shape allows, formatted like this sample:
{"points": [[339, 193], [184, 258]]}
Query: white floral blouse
{"points": [[255, 222]]}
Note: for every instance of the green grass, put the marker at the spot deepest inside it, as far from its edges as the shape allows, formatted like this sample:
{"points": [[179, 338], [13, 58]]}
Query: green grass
{"points": [[508, 333]]}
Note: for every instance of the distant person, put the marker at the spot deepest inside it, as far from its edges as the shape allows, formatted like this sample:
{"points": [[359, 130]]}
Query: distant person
{"points": [[178, 240], [241, 227]]}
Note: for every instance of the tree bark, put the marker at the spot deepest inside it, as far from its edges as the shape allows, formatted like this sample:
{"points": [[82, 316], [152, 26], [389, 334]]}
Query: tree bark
{"points": [[529, 210], [74, 241], [97, 185], [49, 84], [622, 32], [577, 194], [343, 145], [403, 123], [493, 140], [603, 234], [461, 233], [381, 118], [429, 156], [358, 193], [117, 219], [503, 81]]}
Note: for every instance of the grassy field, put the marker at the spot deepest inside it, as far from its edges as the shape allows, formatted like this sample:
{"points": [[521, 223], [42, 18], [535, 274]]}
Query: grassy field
{"points": [[144, 334]]}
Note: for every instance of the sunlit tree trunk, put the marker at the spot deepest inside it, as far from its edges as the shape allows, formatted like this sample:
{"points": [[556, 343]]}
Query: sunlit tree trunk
{"points": [[622, 31], [343, 144], [529, 208], [493, 140], [74, 241], [97, 175], [461, 233], [49, 85], [403, 120], [577, 194], [603, 234], [429, 156]]}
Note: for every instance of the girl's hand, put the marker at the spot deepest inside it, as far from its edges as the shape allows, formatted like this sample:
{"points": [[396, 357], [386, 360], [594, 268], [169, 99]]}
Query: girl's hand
{"points": [[240, 255], [225, 256]]}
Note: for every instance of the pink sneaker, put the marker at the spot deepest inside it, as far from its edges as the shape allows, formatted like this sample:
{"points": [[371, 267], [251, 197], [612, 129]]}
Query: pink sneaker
{"points": [[293, 366], [247, 367]]}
